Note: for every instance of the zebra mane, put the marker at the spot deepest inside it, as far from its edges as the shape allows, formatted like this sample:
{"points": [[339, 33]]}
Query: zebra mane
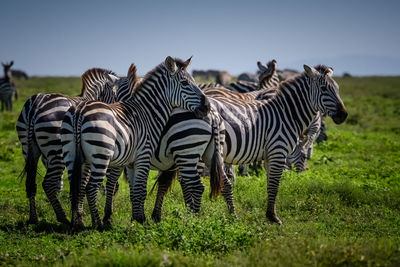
{"points": [[323, 69], [94, 74], [179, 63], [271, 71]]}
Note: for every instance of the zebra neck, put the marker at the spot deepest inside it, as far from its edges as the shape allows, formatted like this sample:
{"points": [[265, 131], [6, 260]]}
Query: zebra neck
{"points": [[294, 99], [151, 101]]}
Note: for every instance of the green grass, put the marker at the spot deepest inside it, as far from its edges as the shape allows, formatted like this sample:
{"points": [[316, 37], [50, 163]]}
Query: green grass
{"points": [[344, 211]]}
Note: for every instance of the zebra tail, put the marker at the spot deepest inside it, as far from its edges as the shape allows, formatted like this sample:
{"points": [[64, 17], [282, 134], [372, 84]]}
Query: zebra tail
{"points": [[30, 168], [76, 175], [217, 173], [164, 180]]}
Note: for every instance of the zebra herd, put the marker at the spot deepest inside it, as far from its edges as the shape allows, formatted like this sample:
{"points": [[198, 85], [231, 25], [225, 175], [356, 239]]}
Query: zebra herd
{"points": [[167, 122]]}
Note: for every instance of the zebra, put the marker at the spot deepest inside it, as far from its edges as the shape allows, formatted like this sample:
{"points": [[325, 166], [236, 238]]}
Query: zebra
{"points": [[7, 88], [38, 128], [187, 139], [125, 134], [251, 87], [269, 129]]}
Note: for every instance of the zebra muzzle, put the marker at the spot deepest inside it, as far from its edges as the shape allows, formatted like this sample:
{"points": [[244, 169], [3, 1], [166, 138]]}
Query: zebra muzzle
{"points": [[340, 115], [203, 109]]}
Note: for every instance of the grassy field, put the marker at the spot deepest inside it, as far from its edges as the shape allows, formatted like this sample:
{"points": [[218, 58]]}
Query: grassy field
{"points": [[344, 211]]}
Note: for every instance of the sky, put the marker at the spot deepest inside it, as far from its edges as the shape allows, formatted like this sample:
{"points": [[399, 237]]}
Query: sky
{"points": [[65, 38]]}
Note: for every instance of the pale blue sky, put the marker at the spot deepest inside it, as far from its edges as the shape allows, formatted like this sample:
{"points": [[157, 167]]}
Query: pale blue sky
{"points": [[68, 37]]}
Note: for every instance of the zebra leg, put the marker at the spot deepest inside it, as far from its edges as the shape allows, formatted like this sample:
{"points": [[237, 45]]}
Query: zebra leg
{"points": [[31, 159], [51, 186], [230, 172], [112, 182], [164, 182], [92, 188], [274, 169], [227, 193], [138, 187], [77, 214], [192, 189], [243, 170]]}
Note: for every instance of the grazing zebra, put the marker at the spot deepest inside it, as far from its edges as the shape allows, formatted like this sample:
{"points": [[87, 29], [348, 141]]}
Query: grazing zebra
{"points": [[322, 134], [7, 88], [304, 147], [269, 129], [39, 129], [125, 134]]}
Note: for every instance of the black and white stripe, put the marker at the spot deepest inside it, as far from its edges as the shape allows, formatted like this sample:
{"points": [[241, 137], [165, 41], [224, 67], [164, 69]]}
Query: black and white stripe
{"points": [[187, 140], [269, 130], [39, 130], [7, 88], [125, 134]]}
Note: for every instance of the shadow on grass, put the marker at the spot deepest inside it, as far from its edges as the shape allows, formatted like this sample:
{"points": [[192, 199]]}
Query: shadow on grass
{"points": [[40, 227]]}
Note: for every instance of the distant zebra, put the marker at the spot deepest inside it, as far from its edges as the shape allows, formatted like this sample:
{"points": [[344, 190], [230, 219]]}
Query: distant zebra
{"points": [[39, 129], [249, 77], [7, 88], [19, 74], [246, 87], [269, 129], [125, 134]]}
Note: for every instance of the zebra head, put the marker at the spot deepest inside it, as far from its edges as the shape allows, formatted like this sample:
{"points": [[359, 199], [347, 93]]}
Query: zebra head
{"points": [[325, 93], [7, 69], [183, 91], [100, 84], [298, 157]]}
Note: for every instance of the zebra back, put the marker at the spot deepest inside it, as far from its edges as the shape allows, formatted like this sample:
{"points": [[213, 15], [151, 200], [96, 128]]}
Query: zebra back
{"points": [[99, 84]]}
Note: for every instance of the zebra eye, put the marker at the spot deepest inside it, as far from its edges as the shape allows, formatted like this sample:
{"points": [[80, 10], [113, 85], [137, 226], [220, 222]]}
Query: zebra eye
{"points": [[323, 88], [185, 83]]}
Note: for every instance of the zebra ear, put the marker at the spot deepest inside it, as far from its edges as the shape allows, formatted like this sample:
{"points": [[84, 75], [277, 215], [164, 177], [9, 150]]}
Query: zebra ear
{"points": [[272, 65], [261, 66], [311, 72], [113, 78], [132, 78], [11, 63], [329, 72], [187, 62], [171, 65]]}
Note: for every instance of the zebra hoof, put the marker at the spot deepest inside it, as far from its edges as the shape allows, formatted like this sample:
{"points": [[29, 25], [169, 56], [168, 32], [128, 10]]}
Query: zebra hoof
{"points": [[156, 217], [107, 223], [77, 226], [32, 220], [140, 218], [273, 218], [64, 220], [99, 227]]}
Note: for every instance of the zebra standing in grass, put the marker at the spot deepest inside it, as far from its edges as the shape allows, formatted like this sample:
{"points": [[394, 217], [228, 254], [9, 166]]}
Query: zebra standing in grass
{"points": [[269, 129], [7, 88], [39, 129], [125, 134], [186, 140]]}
